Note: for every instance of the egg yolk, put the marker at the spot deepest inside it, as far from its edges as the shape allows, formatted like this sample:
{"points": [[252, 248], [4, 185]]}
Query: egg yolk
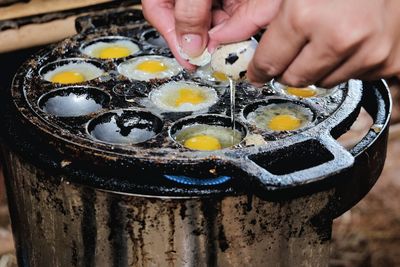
{"points": [[219, 76], [284, 123], [301, 92], [203, 142], [66, 77], [151, 66], [114, 52], [189, 95]]}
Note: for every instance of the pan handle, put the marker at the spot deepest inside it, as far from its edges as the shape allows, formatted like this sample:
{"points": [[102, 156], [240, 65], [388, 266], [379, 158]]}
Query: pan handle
{"points": [[305, 161]]}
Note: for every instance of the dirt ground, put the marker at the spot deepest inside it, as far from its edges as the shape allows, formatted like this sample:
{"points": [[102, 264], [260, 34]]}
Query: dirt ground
{"points": [[369, 234], [366, 236]]}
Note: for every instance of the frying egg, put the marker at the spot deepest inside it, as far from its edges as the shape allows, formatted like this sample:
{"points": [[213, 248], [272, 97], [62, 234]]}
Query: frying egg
{"points": [[284, 122], [183, 97], [208, 76], [146, 68], [203, 142], [279, 117], [304, 92], [72, 73], [111, 48], [208, 137]]}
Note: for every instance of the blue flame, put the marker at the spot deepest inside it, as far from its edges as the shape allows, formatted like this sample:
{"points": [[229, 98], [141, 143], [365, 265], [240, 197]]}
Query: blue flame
{"points": [[198, 181]]}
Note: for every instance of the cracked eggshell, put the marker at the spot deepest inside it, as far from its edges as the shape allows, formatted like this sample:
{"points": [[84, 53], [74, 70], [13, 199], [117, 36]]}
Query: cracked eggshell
{"points": [[233, 59], [199, 61]]}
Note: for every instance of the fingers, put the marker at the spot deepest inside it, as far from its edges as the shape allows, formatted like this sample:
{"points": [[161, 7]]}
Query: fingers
{"points": [[218, 17], [192, 22], [276, 50], [369, 62], [245, 21], [312, 64], [160, 14]]}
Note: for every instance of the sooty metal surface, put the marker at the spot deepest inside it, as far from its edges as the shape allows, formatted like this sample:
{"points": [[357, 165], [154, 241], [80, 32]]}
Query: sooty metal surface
{"points": [[106, 125]]}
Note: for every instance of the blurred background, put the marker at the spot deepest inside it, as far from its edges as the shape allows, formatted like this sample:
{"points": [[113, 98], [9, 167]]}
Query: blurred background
{"points": [[367, 235]]}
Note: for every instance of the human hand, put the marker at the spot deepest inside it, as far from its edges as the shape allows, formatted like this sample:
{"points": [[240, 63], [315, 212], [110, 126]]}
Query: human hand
{"points": [[182, 23], [327, 42], [186, 23]]}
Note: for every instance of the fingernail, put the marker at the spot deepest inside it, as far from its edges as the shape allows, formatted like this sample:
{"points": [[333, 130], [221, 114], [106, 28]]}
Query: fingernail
{"points": [[192, 44]]}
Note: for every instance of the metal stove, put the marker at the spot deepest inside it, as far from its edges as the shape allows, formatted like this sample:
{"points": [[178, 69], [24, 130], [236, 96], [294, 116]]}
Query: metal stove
{"points": [[78, 201]]}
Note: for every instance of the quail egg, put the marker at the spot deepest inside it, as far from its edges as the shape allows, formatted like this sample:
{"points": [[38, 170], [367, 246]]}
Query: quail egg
{"points": [[208, 137], [111, 48], [279, 117], [145, 68], [183, 96], [73, 73], [233, 59], [303, 92]]}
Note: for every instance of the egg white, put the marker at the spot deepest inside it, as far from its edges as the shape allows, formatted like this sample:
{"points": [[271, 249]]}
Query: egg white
{"points": [[205, 75], [319, 92], [128, 68], [89, 71], [94, 49], [226, 136], [164, 97], [264, 114]]}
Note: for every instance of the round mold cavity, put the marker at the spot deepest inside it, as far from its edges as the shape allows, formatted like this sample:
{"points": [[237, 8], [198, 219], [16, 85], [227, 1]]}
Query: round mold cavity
{"points": [[311, 91], [154, 38], [149, 67], [74, 101], [183, 97], [211, 125], [279, 115], [81, 69], [125, 127], [123, 47]]}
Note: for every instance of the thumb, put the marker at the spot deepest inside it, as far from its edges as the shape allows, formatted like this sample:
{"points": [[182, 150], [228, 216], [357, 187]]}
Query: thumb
{"points": [[244, 22], [192, 22]]}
